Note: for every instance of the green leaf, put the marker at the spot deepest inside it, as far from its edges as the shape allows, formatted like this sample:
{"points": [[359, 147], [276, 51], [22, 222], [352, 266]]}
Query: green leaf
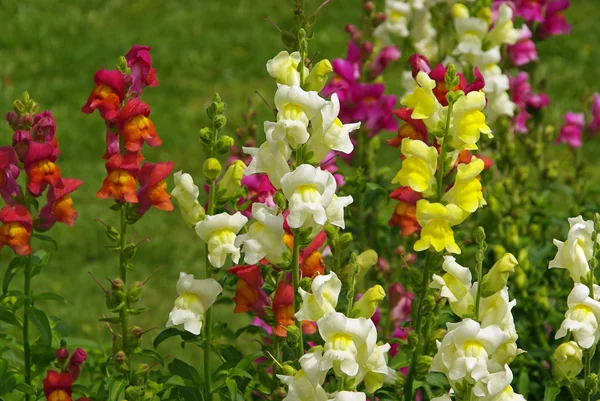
{"points": [[251, 329], [39, 260], [25, 389], [138, 311], [8, 380], [523, 383], [50, 296], [148, 353], [10, 318], [166, 334], [232, 386], [15, 265], [46, 238], [244, 364], [40, 320], [552, 391], [237, 372], [187, 372], [176, 381]]}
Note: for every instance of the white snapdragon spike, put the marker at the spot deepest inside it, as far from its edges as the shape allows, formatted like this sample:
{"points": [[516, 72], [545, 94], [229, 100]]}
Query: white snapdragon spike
{"points": [[275, 165], [186, 193], [344, 337], [374, 371], [329, 133], [423, 101], [301, 388], [471, 31], [348, 396], [503, 31], [582, 317], [335, 210], [219, 232], [574, 253], [455, 285], [296, 108], [195, 297], [494, 384], [309, 191], [464, 351], [323, 299], [265, 236], [284, 68]]}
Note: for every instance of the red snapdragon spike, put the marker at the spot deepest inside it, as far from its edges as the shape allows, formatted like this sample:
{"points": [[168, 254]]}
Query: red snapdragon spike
{"points": [[44, 127], [136, 127], [119, 183], [108, 94], [413, 129], [9, 171], [40, 168], [15, 230], [153, 187], [76, 363], [142, 74], [283, 308], [59, 207], [249, 295], [58, 386]]}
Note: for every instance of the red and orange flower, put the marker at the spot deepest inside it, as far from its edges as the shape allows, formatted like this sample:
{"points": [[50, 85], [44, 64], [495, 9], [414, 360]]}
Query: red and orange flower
{"points": [[15, 231], [108, 94]]}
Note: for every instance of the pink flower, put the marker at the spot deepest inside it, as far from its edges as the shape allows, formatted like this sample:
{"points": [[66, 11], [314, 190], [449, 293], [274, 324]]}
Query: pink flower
{"points": [[400, 304], [524, 51], [555, 22], [594, 126], [418, 63], [76, 362], [530, 10], [59, 207], [44, 127], [142, 74], [385, 56], [527, 101], [570, 132], [9, 171]]}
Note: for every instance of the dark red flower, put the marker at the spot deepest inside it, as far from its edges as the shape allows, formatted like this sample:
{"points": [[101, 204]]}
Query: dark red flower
{"points": [[108, 94], [153, 187]]}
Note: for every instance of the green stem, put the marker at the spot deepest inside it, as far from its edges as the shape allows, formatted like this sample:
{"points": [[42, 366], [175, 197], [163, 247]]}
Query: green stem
{"points": [[443, 152], [478, 296], [296, 283], [417, 328], [208, 323], [124, 312], [26, 345]]}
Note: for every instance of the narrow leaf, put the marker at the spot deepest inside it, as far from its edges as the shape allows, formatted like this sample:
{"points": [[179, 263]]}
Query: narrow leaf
{"points": [[40, 320]]}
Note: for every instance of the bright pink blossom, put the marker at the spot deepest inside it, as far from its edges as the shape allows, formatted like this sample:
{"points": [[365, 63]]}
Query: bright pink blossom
{"points": [[555, 22], [142, 74], [572, 129], [524, 51], [594, 126]]}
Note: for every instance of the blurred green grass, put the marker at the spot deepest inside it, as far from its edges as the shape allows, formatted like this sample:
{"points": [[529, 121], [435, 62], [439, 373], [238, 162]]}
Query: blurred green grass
{"points": [[52, 49]]}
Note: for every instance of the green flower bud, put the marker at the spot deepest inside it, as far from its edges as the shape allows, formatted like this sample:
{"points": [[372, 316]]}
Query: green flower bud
{"points": [[224, 144], [134, 393], [141, 372], [134, 337], [279, 200], [212, 169], [288, 370], [423, 364], [232, 179], [317, 78], [122, 361], [205, 134], [219, 121], [459, 10], [305, 283], [293, 335], [496, 279], [567, 361], [346, 239], [485, 14], [367, 304], [129, 251]]}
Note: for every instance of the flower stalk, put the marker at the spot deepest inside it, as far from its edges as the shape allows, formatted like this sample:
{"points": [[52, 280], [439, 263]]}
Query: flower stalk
{"points": [[26, 344]]}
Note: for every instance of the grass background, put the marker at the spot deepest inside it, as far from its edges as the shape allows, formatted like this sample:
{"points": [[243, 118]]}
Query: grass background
{"points": [[52, 49]]}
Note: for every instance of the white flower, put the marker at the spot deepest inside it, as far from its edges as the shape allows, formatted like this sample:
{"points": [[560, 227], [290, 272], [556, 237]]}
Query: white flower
{"points": [[219, 232], [471, 32], [508, 394], [574, 253], [301, 388], [499, 104], [344, 337], [455, 285], [503, 31], [284, 68], [329, 133], [348, 396], [398, 15], [296, 108], [582, 317], [335, 210], [309, 191], [265, 236], [323, 299], [312, 364], [186, 193], [494, 384], [464, 351], [375, 371], [275, 165], [195, 297]]}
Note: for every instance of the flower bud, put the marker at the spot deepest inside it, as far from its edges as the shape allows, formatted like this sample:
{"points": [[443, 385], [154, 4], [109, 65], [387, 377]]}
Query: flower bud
{"points": [[293, 335], [279, 200], [212, 169], [62, 354], [567, 361], [288, 370], [219, 121], [317, 78], [418, 63], [232, 179], [366, 49], [305, 283], [141, 372], [369, 7], [367, 304], [379, 18], [485, 14], [113, 234], [346, 239], [366, 260], [496, 279], [129, 251], [135, 292], [76, 362], [224, 144], [205, 134], [423, 364], [459, 10]]}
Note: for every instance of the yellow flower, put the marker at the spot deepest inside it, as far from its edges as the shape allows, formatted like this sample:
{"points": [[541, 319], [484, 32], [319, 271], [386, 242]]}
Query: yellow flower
{"points": [[466, 192], [418, 169], [317, 78], [423, 101], [469, 121], [436, 221]]}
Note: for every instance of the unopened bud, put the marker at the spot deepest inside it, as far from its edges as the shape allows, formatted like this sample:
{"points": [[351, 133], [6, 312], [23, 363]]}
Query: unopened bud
{"points": [[219, 121], [379, 18], [212, 169], [369, 7], [205, 134], [62, 354], [305, 283], [134, 337], [317, 78], [141, 372], [366, 260], [485, 14], [567, 361], [135, 292], [459, 11], [293, 335], [129, 251], [346, 239], [224, 144], [496, 279], [368, 303], [423, 364], [232, 179], [288, 370]]}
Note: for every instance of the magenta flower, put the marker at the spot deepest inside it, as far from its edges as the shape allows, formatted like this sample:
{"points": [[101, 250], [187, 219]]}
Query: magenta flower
{"points": [[142, 74], [329, 163], [570, 132], [527, 101], [418, 63], [594, 126], [44, 127], [9, 171], [524, 51], [385, 56], [520, 121], [555, 22], [400, 304], [530, 10]]}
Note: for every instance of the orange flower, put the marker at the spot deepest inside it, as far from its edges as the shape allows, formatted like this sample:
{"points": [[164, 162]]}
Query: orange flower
{"points": [[60, 205], [313, 265], [135, 126], [249, 295], [107, 95], [41, 169], [405, 212], [153, 187], [58, 386], [120, 182], [413, 129], [15, 230], [283, 308]]}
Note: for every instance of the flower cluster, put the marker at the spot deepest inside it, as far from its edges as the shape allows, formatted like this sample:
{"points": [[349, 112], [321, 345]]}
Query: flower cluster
{"points": [[527, 102], [58, 386], [128, 128], [574, 126], [34, 151], [443, 104], [546, 16]]}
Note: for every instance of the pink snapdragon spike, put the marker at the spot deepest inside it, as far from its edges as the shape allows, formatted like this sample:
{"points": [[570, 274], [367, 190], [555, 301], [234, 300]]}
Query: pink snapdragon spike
{"points": [[554, 22], [108, 94], [524, 51], [594, 126], [142, 74], [572, 129], [9, 172]]}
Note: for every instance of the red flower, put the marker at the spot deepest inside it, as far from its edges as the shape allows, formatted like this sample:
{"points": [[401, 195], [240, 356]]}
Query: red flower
{"points": [[249, 294], [60, 205], [44, 127], [438, 74], [120, 183], [136, 127], [142, 74], [15, 230], [40, 168], [108, 94], [58, 386], [283, 308], [310, 258], [405, 212], [9, 171], [112, 144], [413, 129], [76, 362], [153, 187]]}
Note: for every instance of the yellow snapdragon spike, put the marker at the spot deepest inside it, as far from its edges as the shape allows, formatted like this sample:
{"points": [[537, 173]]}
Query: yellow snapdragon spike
{"points": [[418, 169], [422, 100], [469, 121], [436, 221], [467, 191]]}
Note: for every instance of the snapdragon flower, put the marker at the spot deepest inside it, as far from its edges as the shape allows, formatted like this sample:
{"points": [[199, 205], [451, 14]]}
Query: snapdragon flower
{"points": [[284, 68], [455, 285], [466, 192], [419, 166], [264, 238], [582, 317], [469, 121], [574, 253], [275, 165], [323, 298], [186, 193], [436, 221], [423, 102], [219, 232]]}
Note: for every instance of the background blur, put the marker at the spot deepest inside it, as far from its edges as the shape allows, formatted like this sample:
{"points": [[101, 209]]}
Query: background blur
{"points": [[53, 48]]}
